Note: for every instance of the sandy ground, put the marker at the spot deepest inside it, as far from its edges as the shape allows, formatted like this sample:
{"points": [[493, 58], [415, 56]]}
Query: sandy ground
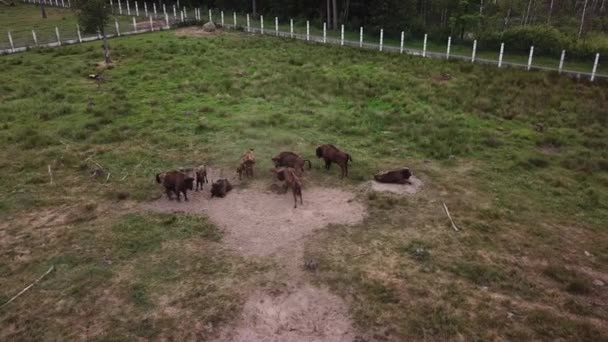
{"points": [[258, 222]]}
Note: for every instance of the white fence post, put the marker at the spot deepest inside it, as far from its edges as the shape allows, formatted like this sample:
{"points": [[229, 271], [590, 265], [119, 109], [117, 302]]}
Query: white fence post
{"points": [[151, 24], [361, 36], [324, 32], [401, 45], [111, 6], [248, 26], [185, 13], [447, 52], [222, 17], [307, 30], [35, 38], [57, 34], [175, 12], [474, 51], [154, 9], [146, 8], [261, 24], [234, 18], [128, 8], [597, 60], [134, 24], [78, 32], [381, 38], [117, 28], [119, 7], [291, 28], [424, 45], [342, 35], [181, 15], [62, 3], [136, 9], [561, 61], [530, 57], [10, 39], [276, 25], [502, 50], [210, 16], [167, 21]]}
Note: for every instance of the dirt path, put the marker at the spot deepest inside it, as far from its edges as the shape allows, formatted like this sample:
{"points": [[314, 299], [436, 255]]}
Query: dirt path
{"points": [[259, 223]]}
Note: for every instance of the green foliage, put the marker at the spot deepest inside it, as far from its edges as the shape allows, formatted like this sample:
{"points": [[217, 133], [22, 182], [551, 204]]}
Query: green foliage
{"points": [[93, 15]]}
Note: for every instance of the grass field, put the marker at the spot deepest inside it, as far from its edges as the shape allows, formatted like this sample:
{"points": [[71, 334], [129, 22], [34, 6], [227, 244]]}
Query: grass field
{"points": [[22, 18], [520, 158]]}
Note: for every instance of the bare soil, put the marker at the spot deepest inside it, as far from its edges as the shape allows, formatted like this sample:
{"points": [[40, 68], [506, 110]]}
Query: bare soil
{"points": [[258, 221], [196, 31]]}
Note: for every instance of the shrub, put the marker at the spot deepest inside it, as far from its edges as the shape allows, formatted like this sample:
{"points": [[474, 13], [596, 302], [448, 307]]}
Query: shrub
{"points": [[546, 39]]}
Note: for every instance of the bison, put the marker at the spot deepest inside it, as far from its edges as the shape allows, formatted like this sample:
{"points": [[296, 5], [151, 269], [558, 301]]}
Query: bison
{"points": [[220, 188], [292, 160], [201, 176], [400, 176], [291, 179], [331, 153], [247, 163], [176, 182]]}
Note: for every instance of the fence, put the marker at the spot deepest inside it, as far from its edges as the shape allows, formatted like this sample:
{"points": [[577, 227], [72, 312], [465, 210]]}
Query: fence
{"points": [[155, 18]]}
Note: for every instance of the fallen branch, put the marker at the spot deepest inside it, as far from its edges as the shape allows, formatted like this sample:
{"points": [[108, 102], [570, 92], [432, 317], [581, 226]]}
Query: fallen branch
{"points": [[361, 254], [107, 178], [50, 173], [27, 288], [450, 217]]}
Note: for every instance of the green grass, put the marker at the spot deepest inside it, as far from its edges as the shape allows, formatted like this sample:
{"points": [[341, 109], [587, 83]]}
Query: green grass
{"points": [[22, 18], [519, 157]]}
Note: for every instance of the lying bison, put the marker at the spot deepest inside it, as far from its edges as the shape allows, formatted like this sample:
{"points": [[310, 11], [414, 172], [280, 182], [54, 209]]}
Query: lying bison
{"points": [[291, 159], [220, 188], [331, 153], [291, 179], [176, 182], [400, 176]]}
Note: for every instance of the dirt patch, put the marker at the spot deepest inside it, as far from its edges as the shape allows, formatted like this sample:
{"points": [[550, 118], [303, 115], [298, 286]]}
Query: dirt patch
{"points": [[259, 223], [196, 31], [399, 189], [307, 314]]}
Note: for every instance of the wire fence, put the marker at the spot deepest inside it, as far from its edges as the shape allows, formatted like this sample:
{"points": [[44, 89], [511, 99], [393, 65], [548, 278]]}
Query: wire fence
{"points": [[131, 19]]}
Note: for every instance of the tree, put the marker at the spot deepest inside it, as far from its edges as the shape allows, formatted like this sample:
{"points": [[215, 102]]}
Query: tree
{"points": [[254, 8], [43, 10], [94, 15]]}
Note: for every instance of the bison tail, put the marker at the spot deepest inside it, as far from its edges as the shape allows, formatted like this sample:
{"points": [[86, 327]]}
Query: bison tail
{"points": [[349, 158], [319, 152], [309, 164], [158, 178]]}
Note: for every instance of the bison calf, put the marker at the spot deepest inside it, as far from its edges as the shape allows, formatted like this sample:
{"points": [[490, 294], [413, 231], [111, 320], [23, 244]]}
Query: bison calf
{"points": [[201, 176], [291, 179], [400, 176], [292, 160], [176, 182], [220, 188], [331, 153], [247, 163]]}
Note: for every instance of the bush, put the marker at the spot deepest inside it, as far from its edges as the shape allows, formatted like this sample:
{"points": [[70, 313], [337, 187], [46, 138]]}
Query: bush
{"points": [[545, 39]]}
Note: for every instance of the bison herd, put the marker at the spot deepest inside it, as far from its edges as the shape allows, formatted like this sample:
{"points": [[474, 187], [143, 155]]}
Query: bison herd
{"points": [[288, 168]]}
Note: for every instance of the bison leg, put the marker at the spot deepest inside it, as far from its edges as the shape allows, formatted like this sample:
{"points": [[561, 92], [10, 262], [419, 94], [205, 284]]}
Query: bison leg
{"points": [[168, 192], [327, 164], [186, 195], [346, 168], [178, 195], [295, 198]]}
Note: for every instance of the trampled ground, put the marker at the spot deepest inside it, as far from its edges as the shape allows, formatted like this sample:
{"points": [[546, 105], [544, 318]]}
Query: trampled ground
{"points": [[520, 158]]}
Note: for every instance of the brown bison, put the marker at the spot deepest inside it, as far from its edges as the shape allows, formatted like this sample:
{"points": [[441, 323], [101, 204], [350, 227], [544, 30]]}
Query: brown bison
{"points": [[220, 188], [247, 163], [176, 182], [290, 159], [291, 179], [201, 176], [331, 153], [400, 176]]}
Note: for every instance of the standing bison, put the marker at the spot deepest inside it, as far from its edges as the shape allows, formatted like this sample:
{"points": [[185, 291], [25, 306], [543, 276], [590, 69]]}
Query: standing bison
{"points": [[332, 154], [176, 182]]}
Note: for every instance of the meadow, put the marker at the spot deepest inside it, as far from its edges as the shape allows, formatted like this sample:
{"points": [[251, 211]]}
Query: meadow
{"points": [[520, 158]]}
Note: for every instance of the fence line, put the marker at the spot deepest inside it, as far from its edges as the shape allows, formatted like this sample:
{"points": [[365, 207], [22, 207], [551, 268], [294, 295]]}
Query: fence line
{"points": [[170, 23]]}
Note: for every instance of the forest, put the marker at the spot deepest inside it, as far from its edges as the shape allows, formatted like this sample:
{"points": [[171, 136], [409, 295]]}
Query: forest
{"points": [[579, 26]]}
